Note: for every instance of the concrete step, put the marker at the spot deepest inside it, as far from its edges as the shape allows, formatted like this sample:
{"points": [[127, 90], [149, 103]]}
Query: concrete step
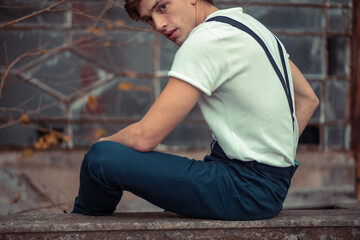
{"points": [[289, 224]]}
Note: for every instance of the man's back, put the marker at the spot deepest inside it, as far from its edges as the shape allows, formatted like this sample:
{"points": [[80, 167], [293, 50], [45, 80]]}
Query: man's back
{"points": [[244, 102]]}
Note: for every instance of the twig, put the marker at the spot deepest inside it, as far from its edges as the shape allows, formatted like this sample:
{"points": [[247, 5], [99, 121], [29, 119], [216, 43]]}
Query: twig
{"points": [[38, 52], [107, 7], [39, 208], [26, 101], [29, 112], [39, 104], [11, 123], [109, 22], [25, 55], [23, 6], [6, 54], [8, 24]]}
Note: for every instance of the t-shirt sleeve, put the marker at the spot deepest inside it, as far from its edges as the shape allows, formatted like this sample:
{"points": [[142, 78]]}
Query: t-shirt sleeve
{"points": [[200, 61]]}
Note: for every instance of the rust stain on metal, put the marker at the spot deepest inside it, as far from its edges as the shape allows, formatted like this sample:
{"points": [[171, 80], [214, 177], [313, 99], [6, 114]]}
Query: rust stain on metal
{"points": [[356, 95]]}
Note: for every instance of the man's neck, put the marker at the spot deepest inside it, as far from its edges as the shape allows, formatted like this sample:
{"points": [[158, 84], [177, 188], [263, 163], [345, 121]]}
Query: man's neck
{"points": [[203, 10]]}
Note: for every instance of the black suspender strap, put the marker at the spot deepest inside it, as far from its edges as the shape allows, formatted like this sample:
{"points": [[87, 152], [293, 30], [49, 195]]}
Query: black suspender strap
{"points": [[286, 76], [286, 84]]}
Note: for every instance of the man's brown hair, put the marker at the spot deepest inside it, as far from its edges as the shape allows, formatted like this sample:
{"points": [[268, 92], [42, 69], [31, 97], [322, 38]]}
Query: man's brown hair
{"points": [[131, 5]]}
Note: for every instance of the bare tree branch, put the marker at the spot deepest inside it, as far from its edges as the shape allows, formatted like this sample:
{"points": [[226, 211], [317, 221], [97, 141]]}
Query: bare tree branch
{"points": [[8, 24], [25, 55], [107, 7], [19, 120], [84, 45], [38, 52]]}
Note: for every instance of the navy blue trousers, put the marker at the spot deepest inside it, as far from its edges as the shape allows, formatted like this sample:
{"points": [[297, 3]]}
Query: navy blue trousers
{"points": [[215, 188]]}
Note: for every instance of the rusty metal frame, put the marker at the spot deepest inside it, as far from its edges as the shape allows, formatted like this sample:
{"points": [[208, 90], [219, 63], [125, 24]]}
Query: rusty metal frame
{"points": [[353, 81], [356, 95]]}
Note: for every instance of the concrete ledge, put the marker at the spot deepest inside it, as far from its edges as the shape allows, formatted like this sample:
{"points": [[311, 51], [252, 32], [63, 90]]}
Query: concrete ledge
{"points": [[289, 224], [323, 183]]}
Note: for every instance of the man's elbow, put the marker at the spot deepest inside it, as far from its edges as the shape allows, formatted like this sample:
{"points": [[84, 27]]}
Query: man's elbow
{"points": [[146, 145], [309, 101], [315, 102], [306, 104], [145, 142]]}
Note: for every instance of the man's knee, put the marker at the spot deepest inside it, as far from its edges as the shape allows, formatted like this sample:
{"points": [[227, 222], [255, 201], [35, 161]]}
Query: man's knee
{"points": [[103, 158], [97, 160], [94, 158]]}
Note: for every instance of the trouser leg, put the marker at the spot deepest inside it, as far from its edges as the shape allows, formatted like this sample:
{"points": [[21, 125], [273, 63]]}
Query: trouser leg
{"points": [[217, 188], [97, 196], [171, 182]]}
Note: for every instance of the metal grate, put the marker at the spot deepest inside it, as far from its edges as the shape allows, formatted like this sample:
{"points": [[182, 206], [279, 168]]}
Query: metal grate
{"points": [[83, 69]]}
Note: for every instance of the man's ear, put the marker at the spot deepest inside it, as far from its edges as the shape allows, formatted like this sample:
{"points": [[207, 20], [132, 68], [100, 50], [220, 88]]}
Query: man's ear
{"points": [[193, 2]]}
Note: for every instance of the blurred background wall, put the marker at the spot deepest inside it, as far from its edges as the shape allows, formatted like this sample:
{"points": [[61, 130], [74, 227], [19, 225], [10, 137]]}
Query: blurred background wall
{"points": [[78, 70]]}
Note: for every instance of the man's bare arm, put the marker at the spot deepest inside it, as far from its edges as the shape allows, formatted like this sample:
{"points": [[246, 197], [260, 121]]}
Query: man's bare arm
{"points": [[306, 101], [173, 104]]}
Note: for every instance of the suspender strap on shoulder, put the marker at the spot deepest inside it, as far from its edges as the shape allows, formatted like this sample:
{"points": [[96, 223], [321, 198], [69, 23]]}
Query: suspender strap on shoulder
{"points": [[286, 85]]}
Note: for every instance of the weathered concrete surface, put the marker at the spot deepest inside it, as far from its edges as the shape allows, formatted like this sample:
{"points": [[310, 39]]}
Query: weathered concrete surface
{"points": [[289, 224], [47, 182]]}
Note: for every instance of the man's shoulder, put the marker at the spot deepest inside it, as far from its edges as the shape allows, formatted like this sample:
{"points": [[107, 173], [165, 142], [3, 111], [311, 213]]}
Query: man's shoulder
{"points": [[202, 36]]}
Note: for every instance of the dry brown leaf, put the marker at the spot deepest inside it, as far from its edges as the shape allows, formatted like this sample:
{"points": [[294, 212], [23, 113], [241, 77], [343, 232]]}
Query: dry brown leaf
{"points": [[100, 31], [119, 23], [65, 138], [92, 102], [41, 144], [51, 138], [38, 146], [16, 199], [99, 132], [27, 153], [129, 73], [90, 29], [25, 118], [143, 88], [125, 86]]}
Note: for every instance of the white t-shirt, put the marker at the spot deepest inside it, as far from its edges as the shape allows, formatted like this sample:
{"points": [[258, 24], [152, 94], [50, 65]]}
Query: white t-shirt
{"points": [[243, 103]]}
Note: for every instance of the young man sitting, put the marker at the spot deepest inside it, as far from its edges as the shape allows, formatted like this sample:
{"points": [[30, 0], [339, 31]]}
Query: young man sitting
{"points": [[256, 106]]}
